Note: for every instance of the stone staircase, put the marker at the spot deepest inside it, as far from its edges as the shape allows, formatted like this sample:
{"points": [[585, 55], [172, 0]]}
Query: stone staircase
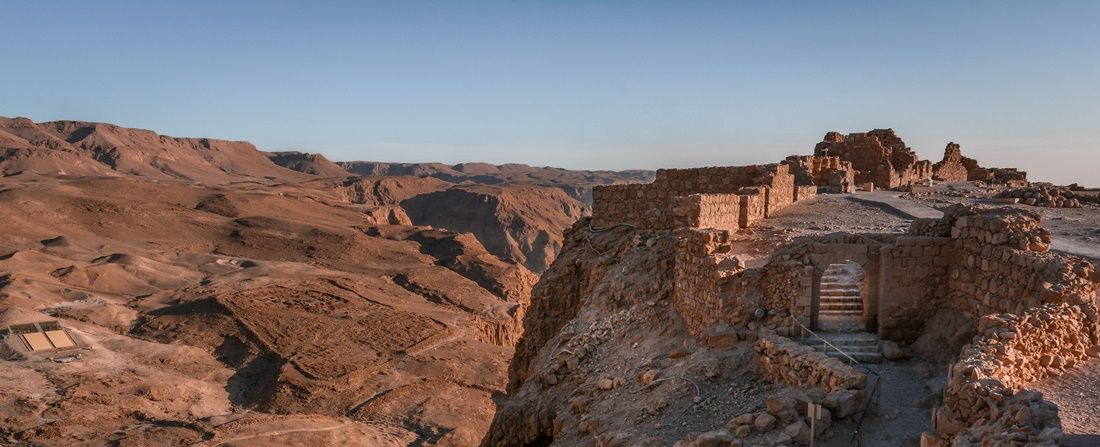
{"points": [[841, 304], [862, 346]]}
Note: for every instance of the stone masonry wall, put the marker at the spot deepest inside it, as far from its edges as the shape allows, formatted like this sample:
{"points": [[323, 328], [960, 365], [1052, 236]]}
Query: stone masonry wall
{"points": [[984, 399], [831, 173], [718, 211], [804, 192], [951, 168], [913, 284], [654, 205], [783, 360], [701, 262], [1002, 266], [614, 204], [878, 156], [753, 206]]}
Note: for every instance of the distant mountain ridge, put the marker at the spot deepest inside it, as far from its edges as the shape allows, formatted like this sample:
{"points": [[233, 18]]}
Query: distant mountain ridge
{"points": [[576, 183], [79, 148]]}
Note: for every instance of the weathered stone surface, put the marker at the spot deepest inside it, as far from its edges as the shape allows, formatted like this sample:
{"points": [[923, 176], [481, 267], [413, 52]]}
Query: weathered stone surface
{"points": [[879, 157], [892, 351], [844, 403]]}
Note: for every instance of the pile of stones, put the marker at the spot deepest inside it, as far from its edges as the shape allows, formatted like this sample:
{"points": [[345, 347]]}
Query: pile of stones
{"points": [[1043, 195]]}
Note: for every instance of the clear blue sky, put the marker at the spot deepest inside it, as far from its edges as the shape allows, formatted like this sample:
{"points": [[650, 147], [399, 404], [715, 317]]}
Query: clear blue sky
{"points": [[574, 84]]}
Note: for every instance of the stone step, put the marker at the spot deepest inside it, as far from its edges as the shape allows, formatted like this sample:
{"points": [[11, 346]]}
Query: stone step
{"points": [[839, 279], [849, 347], [862, 357], [839, 285], [855, 296], [857, 306], [844, 298], [849, 339], [841, 312], [862, 346]]}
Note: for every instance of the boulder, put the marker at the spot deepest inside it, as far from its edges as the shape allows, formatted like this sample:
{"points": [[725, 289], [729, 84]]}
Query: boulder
{"points": [[892, 351], [764, 422], [717, 438], [843, 403]]}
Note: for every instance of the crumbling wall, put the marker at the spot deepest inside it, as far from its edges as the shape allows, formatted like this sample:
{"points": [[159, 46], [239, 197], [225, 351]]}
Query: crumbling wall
{"points": [[782, 360], [983, 401], [1045, 195], [878, 156], [831, 173], [951, 168], [661, 204], [1003, 176], [752, 207], [913, 284], [804, 192], [702, 260], [1003, 267]]}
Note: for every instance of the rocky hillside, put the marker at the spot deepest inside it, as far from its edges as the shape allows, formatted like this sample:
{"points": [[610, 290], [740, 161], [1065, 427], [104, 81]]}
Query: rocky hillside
{"points": [[578, 184], [515, 222], [77, 148], [213, 313], [313, 164]]}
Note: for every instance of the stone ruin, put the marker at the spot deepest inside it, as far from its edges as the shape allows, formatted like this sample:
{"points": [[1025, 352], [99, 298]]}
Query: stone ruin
{"points": [[956, 168], [879, 158], [1035, 311], [1047, 195]]}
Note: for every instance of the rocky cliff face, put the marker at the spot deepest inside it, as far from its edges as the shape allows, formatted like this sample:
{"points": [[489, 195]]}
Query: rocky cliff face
{"points": [[313, 164], [515, 222], [577, 184]]}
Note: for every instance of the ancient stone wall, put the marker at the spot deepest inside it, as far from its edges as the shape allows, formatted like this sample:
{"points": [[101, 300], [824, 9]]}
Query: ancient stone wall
{"points": [[878, 156], [753, 205], [659, 205], [614, 204], [718, 211], [951, 168], [783, 360], [913, 284], [1002, 265], [804, 192], [983, 400], [1004, 176], [831, 173], [702, 260]]}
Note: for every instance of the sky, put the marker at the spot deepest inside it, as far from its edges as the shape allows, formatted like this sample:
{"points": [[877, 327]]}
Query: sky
{"points": [[575, 84]]}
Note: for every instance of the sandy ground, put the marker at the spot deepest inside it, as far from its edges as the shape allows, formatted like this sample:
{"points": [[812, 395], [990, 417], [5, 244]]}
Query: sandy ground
{"points": [[1077, 394]]}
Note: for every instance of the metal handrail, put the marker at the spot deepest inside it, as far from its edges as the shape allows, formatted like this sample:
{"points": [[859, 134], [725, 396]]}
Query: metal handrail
{"points": [[857, 438]]}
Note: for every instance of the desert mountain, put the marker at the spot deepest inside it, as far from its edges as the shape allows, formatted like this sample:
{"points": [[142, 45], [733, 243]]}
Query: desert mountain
{"points": [[578, 184], [213, 312], [79, 148], [313, 164]]}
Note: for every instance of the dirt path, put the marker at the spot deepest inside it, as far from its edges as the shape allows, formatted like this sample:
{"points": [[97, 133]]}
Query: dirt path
{"points": [[1078, 398], [275, 433], [901, 412]]}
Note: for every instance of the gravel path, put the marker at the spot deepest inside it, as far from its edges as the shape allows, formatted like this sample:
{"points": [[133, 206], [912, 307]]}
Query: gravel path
{"points": [[1077, 394]]}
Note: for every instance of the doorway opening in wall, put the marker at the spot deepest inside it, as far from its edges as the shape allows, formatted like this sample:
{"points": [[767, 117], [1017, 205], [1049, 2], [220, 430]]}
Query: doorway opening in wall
{"points": [[840, 307]]}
